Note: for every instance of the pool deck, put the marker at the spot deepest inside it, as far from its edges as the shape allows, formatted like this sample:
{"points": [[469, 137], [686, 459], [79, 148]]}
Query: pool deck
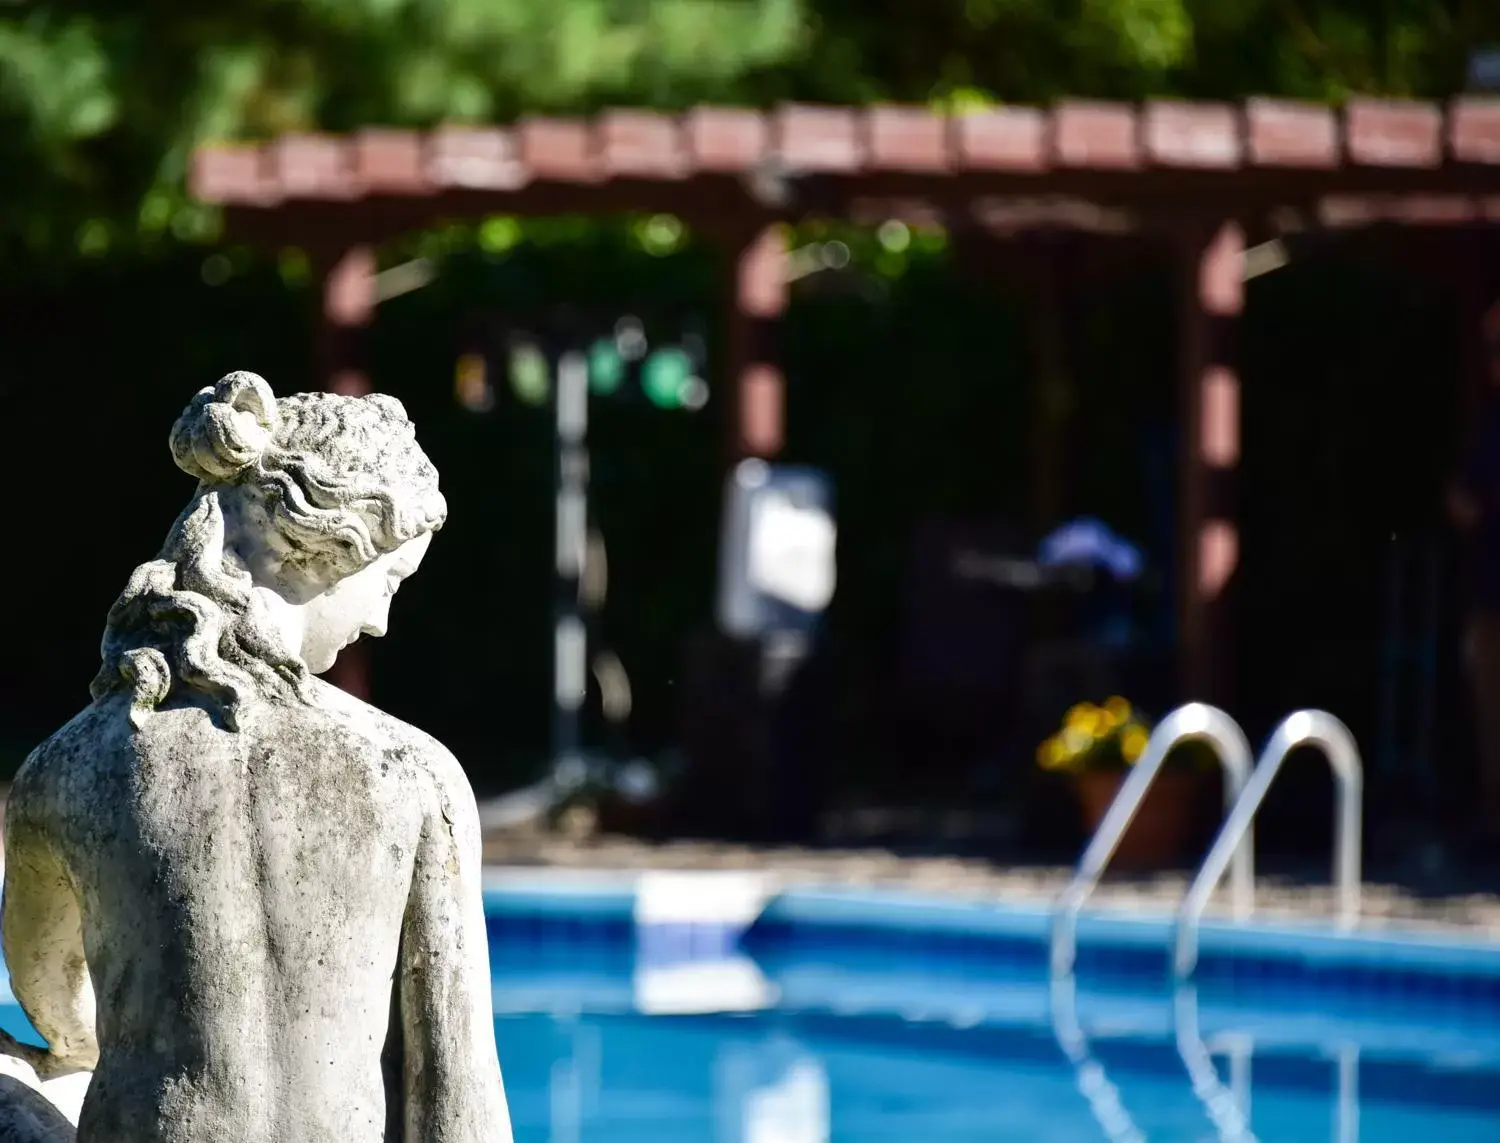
{"points": [[1384, 905]]}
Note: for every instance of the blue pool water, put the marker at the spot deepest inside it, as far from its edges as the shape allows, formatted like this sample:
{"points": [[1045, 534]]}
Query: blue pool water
{"points": [[862, 1020], [919, 1044], [629, 1079]]}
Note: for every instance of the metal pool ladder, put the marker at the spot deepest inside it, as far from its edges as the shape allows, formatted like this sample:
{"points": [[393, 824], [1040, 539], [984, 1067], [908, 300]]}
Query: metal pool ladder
{"points": [[1305, 728], [1194, 721], [1233, 850]]}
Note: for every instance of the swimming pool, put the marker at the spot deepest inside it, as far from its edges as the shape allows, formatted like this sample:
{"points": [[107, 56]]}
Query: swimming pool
{"points": [[861, 1017]]}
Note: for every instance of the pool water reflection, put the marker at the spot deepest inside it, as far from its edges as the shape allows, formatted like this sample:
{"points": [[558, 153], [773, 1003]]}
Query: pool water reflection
{"points": [[803, 1079], [864, 1047]]}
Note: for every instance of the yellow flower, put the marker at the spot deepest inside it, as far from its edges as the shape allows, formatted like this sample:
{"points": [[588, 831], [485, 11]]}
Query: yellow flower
{"points": [[1117, 709], [1076, 740], [1085, 718], [1051, 755], [1133, 743]]}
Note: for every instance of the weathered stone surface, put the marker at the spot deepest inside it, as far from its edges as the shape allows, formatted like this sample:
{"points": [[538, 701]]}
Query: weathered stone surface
{"points": [[28, 1116], [271, 888]]}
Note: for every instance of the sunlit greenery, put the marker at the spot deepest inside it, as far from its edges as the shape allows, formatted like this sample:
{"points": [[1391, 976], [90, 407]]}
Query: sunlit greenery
{"points": [[102, 103]]}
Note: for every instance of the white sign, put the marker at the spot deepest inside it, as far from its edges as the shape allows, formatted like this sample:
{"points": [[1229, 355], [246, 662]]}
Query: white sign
{"points": [[792, 553]]}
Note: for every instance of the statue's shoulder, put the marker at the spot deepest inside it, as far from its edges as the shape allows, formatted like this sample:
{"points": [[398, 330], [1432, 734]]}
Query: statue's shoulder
{"points": [[60, 770], [428, 761], [101, 728], [440, 770]]}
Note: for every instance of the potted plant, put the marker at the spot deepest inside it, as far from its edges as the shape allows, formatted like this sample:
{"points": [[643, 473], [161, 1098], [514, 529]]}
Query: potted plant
{"points": [[1095, 748]]}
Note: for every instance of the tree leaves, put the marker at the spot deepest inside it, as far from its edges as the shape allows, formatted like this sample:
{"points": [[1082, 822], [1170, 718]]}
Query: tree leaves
{"points": [[102, 103], [54, 76]]}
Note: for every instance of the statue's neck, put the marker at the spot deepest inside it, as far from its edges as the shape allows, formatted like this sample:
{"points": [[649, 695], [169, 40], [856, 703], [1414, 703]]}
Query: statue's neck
{"points": [[287, 619]]}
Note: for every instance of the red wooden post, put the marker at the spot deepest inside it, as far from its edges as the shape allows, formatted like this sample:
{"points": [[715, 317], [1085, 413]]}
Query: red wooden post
{"points": [[756, 411], [346, 284], [1213, 297]]}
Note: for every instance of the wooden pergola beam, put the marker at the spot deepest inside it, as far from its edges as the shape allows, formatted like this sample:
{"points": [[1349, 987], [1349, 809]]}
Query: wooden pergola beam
{"points": [[1111, 154]]}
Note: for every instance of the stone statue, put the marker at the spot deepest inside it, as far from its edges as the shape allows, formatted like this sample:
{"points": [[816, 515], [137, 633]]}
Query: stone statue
{"points": [[246, 901]]}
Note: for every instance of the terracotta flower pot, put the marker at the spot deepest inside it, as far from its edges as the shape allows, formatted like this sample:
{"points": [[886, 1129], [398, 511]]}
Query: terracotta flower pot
{"points": [[1161, 825]]}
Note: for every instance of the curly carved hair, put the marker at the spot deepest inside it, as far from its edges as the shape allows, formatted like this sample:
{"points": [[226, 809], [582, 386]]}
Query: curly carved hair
{"points": [[341, 480]]}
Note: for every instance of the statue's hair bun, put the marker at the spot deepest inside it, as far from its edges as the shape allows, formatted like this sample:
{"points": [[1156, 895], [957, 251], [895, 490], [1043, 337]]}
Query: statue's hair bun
{"points": [[225, 429]]}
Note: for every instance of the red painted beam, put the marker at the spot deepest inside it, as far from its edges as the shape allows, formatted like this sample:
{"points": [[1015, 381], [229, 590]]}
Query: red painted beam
{"points": [[1473, 126], [725, 140], [558, 150], [475, 159], [908, 140], [1197, 136], [641, 145], [314, 168], [391, 163], [824, 140], [1079, 148], [1010, 139], [1096, 136], [1393, 133]]}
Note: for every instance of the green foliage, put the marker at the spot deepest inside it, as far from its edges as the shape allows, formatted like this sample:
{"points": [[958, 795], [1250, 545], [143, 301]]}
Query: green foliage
{"points": [[1033, 50], [102, 103]]}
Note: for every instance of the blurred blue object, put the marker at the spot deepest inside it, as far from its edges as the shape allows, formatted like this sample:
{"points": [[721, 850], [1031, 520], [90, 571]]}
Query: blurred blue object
{"points": [[1090, 542]]}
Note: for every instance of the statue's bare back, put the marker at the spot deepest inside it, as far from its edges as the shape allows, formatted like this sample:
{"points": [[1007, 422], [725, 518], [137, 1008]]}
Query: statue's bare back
{"points": [[260, 920]]}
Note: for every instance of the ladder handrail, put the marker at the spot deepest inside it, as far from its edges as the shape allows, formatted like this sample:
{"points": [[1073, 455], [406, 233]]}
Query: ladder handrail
{"points": [[1304, 728], [1193, 721]]}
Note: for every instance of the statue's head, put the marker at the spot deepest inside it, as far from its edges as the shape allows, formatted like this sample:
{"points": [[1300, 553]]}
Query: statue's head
{"points": [[310, 511]]}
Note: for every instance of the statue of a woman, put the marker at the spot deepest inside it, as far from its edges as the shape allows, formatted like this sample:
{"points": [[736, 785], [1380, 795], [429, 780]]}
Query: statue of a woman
{"points": [[247, 901]]}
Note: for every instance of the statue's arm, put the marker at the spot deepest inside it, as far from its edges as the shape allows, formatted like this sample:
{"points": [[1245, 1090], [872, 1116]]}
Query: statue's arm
{"points": [[452, 1073], [41, 929]]}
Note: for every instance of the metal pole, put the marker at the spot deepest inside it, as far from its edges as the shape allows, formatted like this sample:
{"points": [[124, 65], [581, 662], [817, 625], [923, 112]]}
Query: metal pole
{"points": [[1186, 723], [570, 643], [1304, 728]]}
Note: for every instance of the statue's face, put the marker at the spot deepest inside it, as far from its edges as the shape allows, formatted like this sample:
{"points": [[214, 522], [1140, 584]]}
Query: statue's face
{"points": [[357, 605]]}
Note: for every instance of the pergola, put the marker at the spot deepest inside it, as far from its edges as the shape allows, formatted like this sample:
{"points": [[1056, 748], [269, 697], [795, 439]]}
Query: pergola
{"points": [[1213, 179]]}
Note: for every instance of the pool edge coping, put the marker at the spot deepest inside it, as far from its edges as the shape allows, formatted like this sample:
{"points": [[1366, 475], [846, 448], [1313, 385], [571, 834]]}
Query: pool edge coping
{"points": [[606, 894]]}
